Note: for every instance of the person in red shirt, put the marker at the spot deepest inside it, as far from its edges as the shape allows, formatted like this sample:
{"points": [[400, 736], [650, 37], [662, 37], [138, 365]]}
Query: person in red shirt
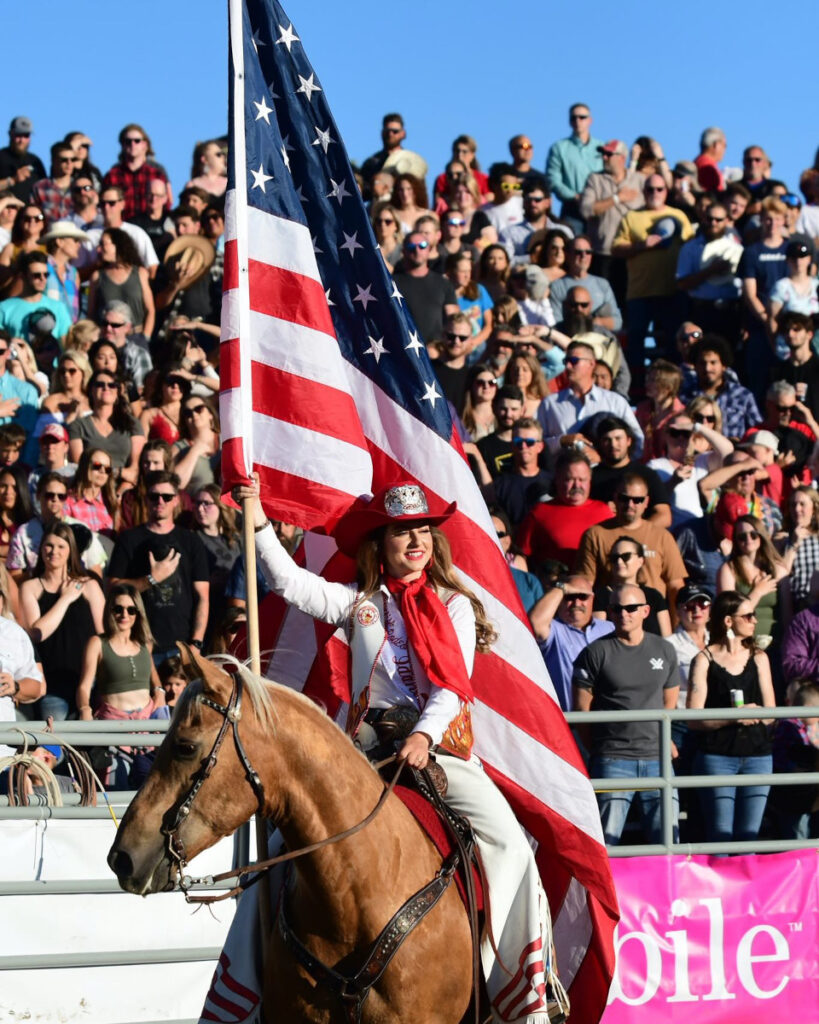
{"points": [[553, 529], [712, 150]]}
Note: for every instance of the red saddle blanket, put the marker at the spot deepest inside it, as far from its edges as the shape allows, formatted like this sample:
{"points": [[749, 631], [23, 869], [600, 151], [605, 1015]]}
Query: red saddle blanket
{"points": [[427, 817]]}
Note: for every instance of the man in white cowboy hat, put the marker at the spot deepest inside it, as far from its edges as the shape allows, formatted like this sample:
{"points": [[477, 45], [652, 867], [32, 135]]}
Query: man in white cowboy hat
{"points": [[63, 244]]}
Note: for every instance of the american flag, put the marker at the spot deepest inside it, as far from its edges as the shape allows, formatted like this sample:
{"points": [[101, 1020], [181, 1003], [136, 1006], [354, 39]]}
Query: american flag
{"points": [[328, 393]]}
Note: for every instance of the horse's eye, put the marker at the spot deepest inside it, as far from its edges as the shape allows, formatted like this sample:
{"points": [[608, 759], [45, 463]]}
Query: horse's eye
{"points": [[184, 750]]}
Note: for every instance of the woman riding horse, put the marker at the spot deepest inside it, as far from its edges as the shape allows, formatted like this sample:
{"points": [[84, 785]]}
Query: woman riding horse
{"points": [[413, 629]]}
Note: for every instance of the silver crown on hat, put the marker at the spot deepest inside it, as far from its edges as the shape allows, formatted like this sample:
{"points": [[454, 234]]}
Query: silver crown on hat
{"points": [[407, 500]]}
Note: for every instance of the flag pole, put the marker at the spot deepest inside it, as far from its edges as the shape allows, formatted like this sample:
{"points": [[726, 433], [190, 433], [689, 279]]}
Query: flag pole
{"points": [[238, 155]]}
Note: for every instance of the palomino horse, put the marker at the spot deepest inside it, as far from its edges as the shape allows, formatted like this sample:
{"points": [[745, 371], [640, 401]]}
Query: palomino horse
{"points": [[314, 784]]}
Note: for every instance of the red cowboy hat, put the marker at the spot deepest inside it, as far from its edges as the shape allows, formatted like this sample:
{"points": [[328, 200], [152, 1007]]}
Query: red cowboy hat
{"points": [[398, 503]]}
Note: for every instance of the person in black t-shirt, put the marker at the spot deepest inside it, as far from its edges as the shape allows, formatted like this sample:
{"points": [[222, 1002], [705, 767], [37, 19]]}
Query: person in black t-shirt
{"points": [[20, 168], [155, 221], [626, 559], [521, 486], [429, 296], [496, 448], [614, 441], [169, 567], [801, 368], [450, 368]]}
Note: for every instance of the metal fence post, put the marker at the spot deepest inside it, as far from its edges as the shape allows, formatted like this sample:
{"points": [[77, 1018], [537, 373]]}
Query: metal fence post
{"points": [[668, 791]]}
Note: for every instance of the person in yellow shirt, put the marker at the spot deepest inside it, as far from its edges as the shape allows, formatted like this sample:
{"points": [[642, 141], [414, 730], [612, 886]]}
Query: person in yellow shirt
{"points": [[650, 240]]}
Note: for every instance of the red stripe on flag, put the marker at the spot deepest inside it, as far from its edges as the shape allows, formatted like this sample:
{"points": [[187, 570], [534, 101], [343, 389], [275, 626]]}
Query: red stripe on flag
{"points": [[230, 367]]}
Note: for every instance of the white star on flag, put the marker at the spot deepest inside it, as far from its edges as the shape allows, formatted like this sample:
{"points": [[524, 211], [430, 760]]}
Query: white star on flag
{"points": [[351, 242], [308, 86], [256, 41], [288, 36], [259, 178], [285, 157], [430, 394], [302, 199], [314, 240], [264, 110], [415, 344], [364, 296], [376, 348], [395, 293], [323, 139], [329, 300], [338, 191]]}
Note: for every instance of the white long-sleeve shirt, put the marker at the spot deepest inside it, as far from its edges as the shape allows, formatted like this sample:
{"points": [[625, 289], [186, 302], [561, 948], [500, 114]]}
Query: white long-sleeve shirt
{"points": [[397, 678]]}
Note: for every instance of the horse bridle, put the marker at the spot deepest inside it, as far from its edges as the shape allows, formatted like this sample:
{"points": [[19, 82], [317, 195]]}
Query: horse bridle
{"points": [[231, 716]]}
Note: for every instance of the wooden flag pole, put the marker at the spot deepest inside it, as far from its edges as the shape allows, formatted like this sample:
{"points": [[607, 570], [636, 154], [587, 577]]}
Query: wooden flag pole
{"points": [[254, 650]]}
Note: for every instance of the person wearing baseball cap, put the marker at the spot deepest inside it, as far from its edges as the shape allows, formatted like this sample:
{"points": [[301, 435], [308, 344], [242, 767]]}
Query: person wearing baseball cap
{"points": [[19, 168], [606, 199], [688, 639]]}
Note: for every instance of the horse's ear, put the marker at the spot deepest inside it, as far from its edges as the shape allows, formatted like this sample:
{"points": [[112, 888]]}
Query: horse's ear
{"points": [[195, 666]]}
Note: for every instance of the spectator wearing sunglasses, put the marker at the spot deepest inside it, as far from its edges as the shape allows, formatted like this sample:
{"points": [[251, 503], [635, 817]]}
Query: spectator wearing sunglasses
{"points": [[135, 170], [430, 297], [736, 483], [523, 484], [719, 383], [755, 570], [688, 639], [628, 670], [564, 626], [18, 398], [604, 309], [478, 413], [796, 292], [53, 194], [92, 498], [110, 427], [216, 526], [683, 464], [626, 560], [730, 662], [663, 568], [571, 161], [506, 207], [389, 231], [197, 453], [117, 324], [168, 565], [537, 209], [119, 682], [450, 367], [614, 442], [17, 314]]}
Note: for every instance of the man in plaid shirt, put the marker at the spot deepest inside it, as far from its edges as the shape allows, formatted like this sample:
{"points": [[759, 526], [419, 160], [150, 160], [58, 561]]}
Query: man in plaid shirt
{"points": [[712, 359], [135, 171], [53, 195]]}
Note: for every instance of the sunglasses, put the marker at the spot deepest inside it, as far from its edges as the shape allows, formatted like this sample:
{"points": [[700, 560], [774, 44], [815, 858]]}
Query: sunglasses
{"points": [[785, 409], [163, 496], [124, 609], [393, 131], [523, 145], [83, 188], [384, 220], [38, 274], [31, 218], [414, 246], [702, 418], [574, 360], [618, 609], [483, 382], [202, 503], [192, 410], [524, 442], [131, 140], [535, 199], [55, 495], [715, 220], [581, 252], [747, 534], [747, 616], [101, 467], [458, 337], [113, 324], [696, 335], [697, 602], [511, 186], [680, 433], [579, 117], [104, 385], [654, 188], [625, 557], [455, 222], [631, 499], [69, 371], [576, 596], [578, 305], [174, 382]]}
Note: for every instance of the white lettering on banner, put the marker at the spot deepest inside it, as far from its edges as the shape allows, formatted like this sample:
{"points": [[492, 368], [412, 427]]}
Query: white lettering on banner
{"points": [[681, 956], [746, 960]]}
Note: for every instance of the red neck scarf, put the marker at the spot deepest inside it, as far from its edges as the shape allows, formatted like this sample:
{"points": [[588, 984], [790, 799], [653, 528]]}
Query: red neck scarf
{"points": [[431, 634]]}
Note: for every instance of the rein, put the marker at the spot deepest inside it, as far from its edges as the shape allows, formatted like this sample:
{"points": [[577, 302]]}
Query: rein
{"points": [[231, 716]]}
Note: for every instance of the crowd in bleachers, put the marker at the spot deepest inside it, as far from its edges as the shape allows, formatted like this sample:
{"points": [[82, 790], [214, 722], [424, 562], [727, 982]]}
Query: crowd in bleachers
{"points": [[627, 349]]}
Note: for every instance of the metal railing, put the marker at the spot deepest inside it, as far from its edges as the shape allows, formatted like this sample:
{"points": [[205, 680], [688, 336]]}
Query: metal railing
{"points": [[667, 782]]}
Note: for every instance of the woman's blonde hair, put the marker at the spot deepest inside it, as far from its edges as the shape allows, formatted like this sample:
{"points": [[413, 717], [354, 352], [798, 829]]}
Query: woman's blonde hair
{"points": [[440, 572], [538, 388], [699, 403], [80, 360], [82, 335]]}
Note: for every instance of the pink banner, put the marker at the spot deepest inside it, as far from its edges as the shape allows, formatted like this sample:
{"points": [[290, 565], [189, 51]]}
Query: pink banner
{"points": [[718, 940]]}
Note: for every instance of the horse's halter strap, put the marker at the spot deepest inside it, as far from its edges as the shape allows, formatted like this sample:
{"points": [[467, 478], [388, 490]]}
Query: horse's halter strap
{"points": [[231, 716]]}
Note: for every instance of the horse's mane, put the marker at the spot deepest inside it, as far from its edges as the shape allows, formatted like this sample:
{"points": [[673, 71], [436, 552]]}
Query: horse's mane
{"points": [[255, 687]]}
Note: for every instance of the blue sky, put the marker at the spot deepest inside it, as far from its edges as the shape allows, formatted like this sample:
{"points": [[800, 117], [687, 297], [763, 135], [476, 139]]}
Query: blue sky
{"points": [[489, 69]]}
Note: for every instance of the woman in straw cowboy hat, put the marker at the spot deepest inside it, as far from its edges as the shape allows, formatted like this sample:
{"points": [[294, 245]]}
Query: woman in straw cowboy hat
{"points": [[414, 629]]}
